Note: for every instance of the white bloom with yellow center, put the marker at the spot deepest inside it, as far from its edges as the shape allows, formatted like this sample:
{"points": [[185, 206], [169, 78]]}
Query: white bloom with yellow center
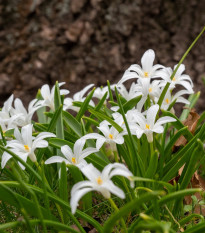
{"points": [[179, 78], [168, 99], [75, 157], [25, 144], [148, 125], [99, 181], [147, 71], [110, 135]]}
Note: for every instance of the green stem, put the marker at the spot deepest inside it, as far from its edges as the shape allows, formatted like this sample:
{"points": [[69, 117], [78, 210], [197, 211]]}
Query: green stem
{"points": [[117, 210], [116, 156]]}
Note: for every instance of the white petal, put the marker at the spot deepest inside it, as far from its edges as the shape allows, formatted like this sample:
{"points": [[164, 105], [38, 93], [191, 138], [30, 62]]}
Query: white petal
{"points": [[180, 70], [78, 147], [151, 114], [91, 172], [67, 151], [41, 144], [5, 158], [78, 191], [26, 133], [87, 152], [114, 189], [56, 159], [45, 91], [147, 60], [164, 120]]}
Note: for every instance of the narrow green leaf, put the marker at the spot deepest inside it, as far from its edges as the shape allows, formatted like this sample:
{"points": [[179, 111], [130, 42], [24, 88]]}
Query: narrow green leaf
{"points": [[84, 106], [127, 208], [152, 168], [178, 125], [104, 117], [192, 99], [72, 123], [63, 189], [58, 143], [131, 103]]}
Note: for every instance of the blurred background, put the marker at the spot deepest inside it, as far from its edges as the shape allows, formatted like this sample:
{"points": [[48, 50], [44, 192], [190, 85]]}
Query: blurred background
{"points": [[91, 41]]}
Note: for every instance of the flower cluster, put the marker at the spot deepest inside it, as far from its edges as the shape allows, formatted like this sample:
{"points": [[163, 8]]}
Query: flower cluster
{"points": [[142, 119]]}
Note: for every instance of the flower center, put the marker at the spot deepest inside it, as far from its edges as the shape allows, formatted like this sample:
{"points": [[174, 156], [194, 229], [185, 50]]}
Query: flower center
{"points": [[167, 100], [111, 136], [150, 89], [26, 148], [147, 126], [73, 160], [99, 180], [146, 74], [174, 79]]}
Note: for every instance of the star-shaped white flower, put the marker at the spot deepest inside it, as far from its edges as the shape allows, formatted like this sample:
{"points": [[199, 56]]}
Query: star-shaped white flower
{"points": [[179, 78], [25, 144], [99, 181], [24, 116], [147, 71], [110, 135], [169, 98], [148, 125], [75, 157], [48, 95]]}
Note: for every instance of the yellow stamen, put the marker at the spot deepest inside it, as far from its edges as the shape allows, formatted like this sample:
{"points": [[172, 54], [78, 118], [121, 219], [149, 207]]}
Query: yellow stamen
{"points": [[73, 160], [26, 147], [150, 89], [110, 136], [99, 180], [146, 74], [174, 79], [147, 126], [167, 100]]}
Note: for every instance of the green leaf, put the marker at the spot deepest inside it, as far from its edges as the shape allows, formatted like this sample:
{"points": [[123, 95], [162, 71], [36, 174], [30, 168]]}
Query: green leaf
{"points": [[58, 143], [53, 124], [84, 106], [14, 199], [152, 165], [126, 209], [192, 99], [72, 123], [63, 189], [178, 125], [131, 103], [104, 117]]}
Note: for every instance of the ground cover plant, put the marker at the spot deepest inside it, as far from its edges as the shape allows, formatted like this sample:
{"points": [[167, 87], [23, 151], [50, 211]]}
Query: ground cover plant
{"points": [[110, 159]]}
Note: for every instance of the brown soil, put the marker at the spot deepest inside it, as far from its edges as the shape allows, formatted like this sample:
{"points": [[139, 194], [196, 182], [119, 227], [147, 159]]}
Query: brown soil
{"points": [[90, 41]]}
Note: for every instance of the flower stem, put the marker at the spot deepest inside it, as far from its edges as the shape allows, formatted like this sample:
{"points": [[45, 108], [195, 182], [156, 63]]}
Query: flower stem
{"points": [[116, 210], [116, 156]]}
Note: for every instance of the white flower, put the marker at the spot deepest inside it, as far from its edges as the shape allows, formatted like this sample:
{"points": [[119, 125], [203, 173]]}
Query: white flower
{"points": [[79, 96], [133, 92], [75, 157], [48, 95], [6, 120], [110, 135], [179, 78], [146, 88], [100, 92], [24, 116], [148, 125], [25, 144], [99, 181], [147, 71], [168, 99]]}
